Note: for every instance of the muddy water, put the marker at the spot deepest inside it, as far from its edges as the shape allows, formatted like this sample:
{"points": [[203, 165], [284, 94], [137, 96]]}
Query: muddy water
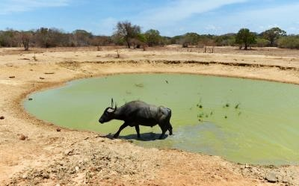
{"points": [[244, 121]]}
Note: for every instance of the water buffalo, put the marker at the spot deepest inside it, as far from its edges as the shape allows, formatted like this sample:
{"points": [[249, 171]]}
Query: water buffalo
{"points": [[137, 113]]}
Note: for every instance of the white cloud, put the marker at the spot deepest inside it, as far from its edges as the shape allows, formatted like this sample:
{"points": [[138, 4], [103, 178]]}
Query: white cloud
{"points": [[12, 6], [179, 10], [282, 16]]}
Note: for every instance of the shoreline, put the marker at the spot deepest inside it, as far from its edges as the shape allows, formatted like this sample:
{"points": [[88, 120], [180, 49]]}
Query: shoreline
{"points": [[44, 137]]}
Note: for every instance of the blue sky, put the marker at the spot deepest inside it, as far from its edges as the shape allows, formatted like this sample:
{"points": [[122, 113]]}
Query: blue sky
{"points": [[170, 17]]}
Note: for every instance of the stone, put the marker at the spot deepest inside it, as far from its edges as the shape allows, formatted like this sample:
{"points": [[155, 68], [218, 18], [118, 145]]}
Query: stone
{"points": [[2, 117], [271, 177], [22, 137], [69, 152]]}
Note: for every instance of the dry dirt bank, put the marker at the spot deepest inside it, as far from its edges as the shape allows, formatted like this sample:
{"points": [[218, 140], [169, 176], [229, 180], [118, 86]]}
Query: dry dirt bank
{"points": [[33, 152]]}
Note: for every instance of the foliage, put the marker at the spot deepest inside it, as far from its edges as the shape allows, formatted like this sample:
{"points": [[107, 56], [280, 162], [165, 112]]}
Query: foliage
{"points": [[273, 34], [9, 38], [101, 41], [225, 40], [82, 38], [126, 31], [131, 36], [291, 41], [49, 37], [153, 38], [206, 40], [260, 42], [244, 36], [190, 39]]}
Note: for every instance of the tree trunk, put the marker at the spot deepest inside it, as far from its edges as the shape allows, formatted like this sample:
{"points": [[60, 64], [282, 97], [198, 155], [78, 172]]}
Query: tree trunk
{"points": [[272, 42], [245, 46], [128, 42]]}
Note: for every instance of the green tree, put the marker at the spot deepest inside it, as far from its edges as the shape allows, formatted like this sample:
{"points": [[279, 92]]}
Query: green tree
{"points": [[152, 37], [273, 34], [126, 31], [244, 36], [190, 39]]}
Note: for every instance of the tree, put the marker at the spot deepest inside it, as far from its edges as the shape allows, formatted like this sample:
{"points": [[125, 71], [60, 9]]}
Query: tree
{"points": [[127, 31], [190, 39], [244, 36], [50, 37], [152, 37], [82, 37], [273, 34], [25, 37]]}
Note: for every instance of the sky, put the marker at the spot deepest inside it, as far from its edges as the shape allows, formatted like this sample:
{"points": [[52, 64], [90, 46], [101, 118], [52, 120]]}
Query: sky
{"points": [[170, 17]]}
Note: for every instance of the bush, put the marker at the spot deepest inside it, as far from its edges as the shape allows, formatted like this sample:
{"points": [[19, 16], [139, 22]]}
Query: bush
{"points": [[291, 42], [260, 42]]}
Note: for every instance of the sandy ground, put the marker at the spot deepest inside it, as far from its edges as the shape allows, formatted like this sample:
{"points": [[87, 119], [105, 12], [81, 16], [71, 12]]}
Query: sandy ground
{"points": [[33, 152]]}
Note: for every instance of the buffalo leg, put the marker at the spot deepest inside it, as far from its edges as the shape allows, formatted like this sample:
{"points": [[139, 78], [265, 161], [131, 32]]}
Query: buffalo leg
{"points": [[120, 129], [170, 129], [164, 129], [137, 130]]}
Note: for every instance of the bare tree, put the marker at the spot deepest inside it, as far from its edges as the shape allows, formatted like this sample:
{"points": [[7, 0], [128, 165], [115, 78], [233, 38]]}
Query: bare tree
{"points": [[127, 32], [26, 39]]}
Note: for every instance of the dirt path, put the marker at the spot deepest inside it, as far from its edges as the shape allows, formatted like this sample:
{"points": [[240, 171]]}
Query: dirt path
{"points": [[34, 152]]}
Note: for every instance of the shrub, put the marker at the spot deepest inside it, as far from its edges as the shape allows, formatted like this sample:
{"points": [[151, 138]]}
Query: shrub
{"points": [[291, 42]]}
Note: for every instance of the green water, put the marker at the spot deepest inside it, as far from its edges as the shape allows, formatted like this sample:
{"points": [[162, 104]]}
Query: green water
{"points": [[244, 121]]}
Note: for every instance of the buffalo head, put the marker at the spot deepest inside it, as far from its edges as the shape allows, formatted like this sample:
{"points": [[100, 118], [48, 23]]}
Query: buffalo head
{"points": [[108, 113]]}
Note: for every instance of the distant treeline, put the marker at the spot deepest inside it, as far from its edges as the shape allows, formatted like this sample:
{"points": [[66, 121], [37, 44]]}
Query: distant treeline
{"points": [[132, 36]]}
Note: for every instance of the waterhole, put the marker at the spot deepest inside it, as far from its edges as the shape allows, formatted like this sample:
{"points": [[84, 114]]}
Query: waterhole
{"points": [[241, 120]]}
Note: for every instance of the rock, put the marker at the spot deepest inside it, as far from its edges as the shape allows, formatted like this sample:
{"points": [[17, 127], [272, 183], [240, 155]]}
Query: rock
{"points": [[271, 177], [23, 137], [11, 77], [246, 165], [2, 117], [30, 99], [286, 179], [41, 78], [69, 152], [58, 129], [46, 176], [77, 168]]}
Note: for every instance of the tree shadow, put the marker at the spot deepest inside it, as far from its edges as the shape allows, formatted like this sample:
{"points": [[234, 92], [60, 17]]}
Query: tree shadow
{"points": [[150, 136]]}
